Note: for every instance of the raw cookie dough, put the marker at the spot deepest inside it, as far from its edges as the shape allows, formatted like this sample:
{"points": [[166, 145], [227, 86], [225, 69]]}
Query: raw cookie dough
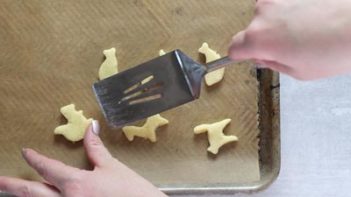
{"points": [[211, 55], [161, 52], [147, 131], [76, 126], [215, 134], [110, 66]]}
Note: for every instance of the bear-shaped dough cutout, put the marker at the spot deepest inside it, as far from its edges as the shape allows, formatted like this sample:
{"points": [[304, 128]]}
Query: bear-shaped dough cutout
{"points": [[110, 66]]}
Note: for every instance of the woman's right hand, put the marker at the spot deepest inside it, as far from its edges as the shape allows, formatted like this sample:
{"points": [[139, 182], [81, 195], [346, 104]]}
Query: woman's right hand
{"points": [[305, 39]]}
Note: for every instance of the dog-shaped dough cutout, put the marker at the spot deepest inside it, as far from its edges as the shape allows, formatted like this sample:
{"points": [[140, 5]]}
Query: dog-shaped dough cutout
{"points": [[215, 134], [147, 131]]}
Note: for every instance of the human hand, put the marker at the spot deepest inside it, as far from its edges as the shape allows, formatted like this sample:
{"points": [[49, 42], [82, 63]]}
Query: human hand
{"points": [[305, 39], [109, 177]]}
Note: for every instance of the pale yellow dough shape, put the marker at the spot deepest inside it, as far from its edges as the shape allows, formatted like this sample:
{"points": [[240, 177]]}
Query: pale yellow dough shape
{"points": [[215, 134], [148, 130], [76, 125], [161, 52], [211, 55], [110, 66]]}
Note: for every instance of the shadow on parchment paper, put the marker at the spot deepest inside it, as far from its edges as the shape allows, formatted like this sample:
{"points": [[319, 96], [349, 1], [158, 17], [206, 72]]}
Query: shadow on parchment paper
{"points": [[61, 119], [202, 58], [200, 138], [87, 164]]}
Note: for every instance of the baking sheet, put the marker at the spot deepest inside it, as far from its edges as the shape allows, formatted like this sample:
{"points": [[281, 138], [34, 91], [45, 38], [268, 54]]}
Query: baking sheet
{"points": [[50, 53]]}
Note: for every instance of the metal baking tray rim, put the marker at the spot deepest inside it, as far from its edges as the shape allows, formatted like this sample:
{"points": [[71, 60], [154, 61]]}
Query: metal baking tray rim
{"points": [[269, 112]]}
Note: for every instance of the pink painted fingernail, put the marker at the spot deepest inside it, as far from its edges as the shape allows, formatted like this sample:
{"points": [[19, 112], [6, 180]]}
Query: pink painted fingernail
{"points": [[95, 127]]}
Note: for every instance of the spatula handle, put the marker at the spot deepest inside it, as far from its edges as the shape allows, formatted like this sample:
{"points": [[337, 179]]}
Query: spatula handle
{"points": [[220, 63]]}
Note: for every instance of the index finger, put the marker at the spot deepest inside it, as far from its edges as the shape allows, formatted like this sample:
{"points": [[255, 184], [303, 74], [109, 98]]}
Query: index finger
{"points": [[51, 170]]}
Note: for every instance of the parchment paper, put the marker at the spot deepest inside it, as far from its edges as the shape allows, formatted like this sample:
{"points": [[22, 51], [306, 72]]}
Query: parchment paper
{"points": [[50, 53]]}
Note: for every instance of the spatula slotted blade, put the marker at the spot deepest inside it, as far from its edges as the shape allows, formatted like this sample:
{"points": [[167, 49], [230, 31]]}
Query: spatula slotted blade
{"points": [[150, 88]]}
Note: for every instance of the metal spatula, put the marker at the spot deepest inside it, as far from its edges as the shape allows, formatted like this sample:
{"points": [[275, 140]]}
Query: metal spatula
{"points": [[152, 87]]}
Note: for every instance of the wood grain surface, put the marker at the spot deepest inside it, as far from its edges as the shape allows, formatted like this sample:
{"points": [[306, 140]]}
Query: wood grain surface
{"points": [[50, 53]]}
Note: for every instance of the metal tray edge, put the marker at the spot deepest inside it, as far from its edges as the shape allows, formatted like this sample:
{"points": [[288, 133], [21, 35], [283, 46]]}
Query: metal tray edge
{"points": [[269, 111]]}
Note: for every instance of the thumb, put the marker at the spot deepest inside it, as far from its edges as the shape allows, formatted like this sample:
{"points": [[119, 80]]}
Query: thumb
{"points": [[240, 47], [96, 151]]}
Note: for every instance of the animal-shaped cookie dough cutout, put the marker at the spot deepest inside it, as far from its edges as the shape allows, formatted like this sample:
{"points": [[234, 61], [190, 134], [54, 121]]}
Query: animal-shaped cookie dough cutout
{"points": [[215, 134], [161, 52], [110, 66], [76, 125], [147, 131], [211, 55]]}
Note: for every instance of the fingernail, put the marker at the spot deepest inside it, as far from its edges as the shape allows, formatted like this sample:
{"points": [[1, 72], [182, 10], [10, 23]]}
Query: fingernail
{"points": [[24, 152], [95, 127]]}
